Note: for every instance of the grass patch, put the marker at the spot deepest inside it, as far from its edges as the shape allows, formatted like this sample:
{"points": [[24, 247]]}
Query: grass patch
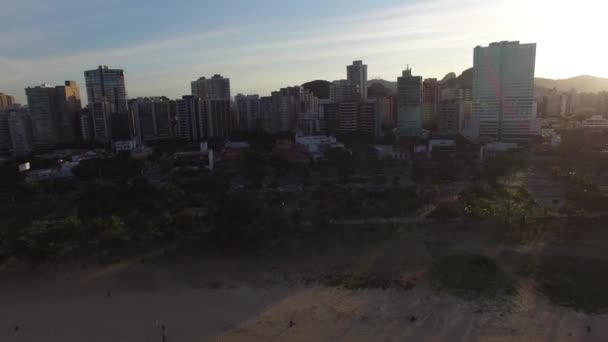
{"points": [[471, 276], [358, 281], [575, 282]]}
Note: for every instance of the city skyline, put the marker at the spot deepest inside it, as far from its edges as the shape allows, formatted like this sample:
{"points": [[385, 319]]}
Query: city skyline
{"points": [[289, 48]]}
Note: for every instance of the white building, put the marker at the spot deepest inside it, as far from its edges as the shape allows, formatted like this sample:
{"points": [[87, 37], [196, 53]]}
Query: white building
{"points": [[125, 145], [315, 143], [503, 90]]}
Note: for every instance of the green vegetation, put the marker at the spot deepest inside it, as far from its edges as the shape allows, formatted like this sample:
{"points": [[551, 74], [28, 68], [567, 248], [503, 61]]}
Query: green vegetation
{"points": [[494, 202], [125, 214], [358, 281], [472, 276], [574, 282]]}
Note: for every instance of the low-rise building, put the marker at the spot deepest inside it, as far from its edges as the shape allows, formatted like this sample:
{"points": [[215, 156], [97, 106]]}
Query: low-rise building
{"points": [[493, 149]]}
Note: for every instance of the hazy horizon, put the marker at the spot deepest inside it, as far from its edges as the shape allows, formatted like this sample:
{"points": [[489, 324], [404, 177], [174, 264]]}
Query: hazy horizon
{"points": [[263, 46]]}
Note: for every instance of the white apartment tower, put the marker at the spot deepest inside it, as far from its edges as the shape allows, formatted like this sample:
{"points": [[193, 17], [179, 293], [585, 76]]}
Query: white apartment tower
{"points": [[503, 91]]}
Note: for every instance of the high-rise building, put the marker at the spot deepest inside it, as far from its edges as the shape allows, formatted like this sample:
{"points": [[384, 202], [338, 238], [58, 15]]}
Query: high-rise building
{"points": [[42, 102], [430, 93], [53, 113], [356, 75], [451, 115], [266, 113], [358, 116], [203, 119], [328, 110], [409, 99], [218, 118], [68, 105], [6, 101], [20, 127], [368, 118], [388, 110], [5, 133], [503, 90], [310, 123], [462, 94], [150, 119], [248, 112], [289, 105], [189, 118], [85, 122], [100, 115], [343, 90], [347, 116], [214, 88], [107, 85]]}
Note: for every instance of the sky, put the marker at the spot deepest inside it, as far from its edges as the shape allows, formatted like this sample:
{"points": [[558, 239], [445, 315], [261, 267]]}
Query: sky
{"points": [[263, 45]]}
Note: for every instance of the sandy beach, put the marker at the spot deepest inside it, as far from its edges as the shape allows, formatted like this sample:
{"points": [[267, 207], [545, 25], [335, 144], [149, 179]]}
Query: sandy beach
{"points": [[255, 298], [134, 303]]}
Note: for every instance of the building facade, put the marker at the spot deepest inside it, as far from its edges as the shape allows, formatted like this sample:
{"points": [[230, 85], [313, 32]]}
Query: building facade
{"points": [[189, 115], [266, 113], [356, 75], [430, 94], [343, 90], [107, 85], [219, 118], [248, 112], [42, 102], [328, 111], [347, 117], [409, 99], [85, 121], [68, 104], [368, 118], [6, 101], [150, 120], [388, 110], [20, 127], [5, 133], [214, 88], [100, 117], [503, 90]]}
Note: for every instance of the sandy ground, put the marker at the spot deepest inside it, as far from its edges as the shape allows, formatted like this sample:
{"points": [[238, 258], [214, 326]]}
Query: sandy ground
{"points": [[131, 303], [254, 299]]}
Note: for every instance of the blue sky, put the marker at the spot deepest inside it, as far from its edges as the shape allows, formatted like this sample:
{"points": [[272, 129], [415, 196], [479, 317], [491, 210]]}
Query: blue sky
{"points": [[267, 44]]}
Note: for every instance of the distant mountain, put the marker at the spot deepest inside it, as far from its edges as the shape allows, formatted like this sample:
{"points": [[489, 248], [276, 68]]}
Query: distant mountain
{"points": [[583, 84], [448, 77], [465, 80], [378, 90], [319, 88], [392, 86]]}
